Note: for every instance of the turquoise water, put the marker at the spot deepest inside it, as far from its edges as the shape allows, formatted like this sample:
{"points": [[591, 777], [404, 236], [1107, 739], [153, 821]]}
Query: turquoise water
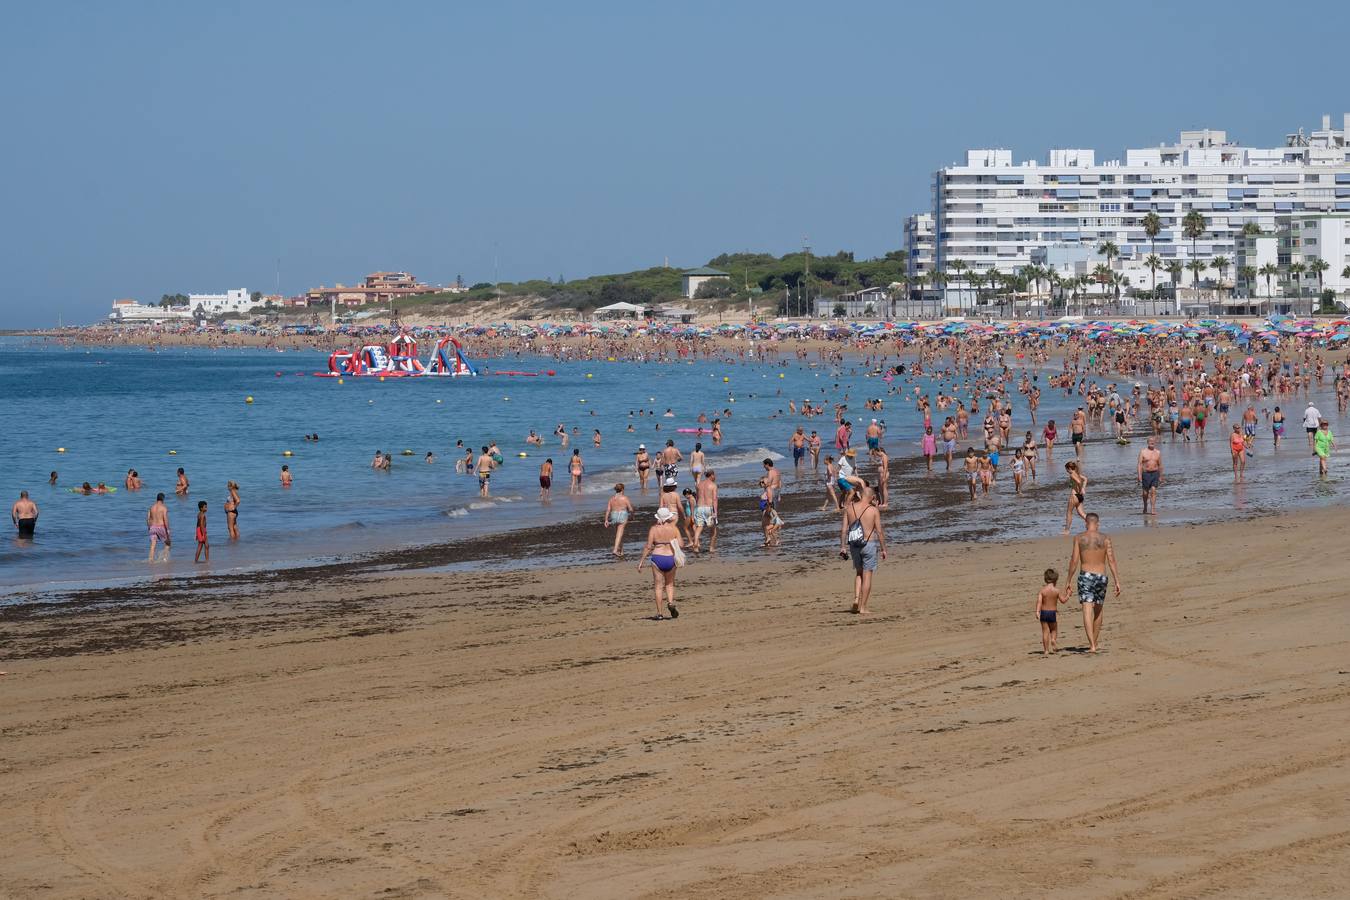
{"points": [[115, 409]]}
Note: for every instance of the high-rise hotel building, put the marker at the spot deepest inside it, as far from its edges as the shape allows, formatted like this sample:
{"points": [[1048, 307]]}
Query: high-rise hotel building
{"points": [[992, 212]]}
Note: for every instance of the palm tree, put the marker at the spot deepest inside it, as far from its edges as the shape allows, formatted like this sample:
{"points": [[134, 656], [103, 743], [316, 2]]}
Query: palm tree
{"points": [[937, 280], [1196, 267], [1220, 264], [1109, 250], [1055, 282], [994, 278], [1193, 226], [1152, 223], [1251, 229], [1247, 275], [957, 266], [1102, 273], [1296, 271], [976, 279], [1266, 272], [1153, 262], [1174, 270], [1317, 266]]}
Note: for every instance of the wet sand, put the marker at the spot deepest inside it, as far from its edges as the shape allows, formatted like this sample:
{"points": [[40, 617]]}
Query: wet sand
{"points": [[353, 731]]}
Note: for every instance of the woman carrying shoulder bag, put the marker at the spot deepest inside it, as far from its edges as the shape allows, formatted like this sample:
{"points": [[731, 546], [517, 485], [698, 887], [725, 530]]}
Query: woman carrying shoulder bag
{"points": [[862, 538]]}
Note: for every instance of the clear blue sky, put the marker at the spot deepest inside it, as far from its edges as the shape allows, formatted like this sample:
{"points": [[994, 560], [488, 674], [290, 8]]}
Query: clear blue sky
{"points": [[155, 148]]}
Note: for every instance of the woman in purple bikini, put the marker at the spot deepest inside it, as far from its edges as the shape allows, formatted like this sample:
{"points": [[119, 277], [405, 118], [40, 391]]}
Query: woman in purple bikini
{"points": [[664, 537]]}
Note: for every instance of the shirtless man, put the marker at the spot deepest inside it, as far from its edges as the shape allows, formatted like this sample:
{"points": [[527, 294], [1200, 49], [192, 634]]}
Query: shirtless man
{"points": [[24, 512], [705, 509], [773, 482], [484, 469], [873, 438], [1077, 427], [1092, 552], [1150, 474], [157, 521], [669, 458], [797, 444]]}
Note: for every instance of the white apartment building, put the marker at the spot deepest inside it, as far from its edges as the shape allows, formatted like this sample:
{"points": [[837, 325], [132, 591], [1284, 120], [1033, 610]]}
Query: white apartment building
{"points": [[1312, 237], [992, 213], [234, 301], [920, 248]]}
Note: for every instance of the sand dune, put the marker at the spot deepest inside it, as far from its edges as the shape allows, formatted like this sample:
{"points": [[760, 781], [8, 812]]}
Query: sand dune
{"points": [[533, 735]]}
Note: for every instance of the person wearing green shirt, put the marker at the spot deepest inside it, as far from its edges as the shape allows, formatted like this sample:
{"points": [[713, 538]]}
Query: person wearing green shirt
{"points": [[1323, 441]]}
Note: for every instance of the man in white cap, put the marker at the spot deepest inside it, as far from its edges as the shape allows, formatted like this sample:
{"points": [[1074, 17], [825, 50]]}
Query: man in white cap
{"points": [[873, 438], [1311, 418]]}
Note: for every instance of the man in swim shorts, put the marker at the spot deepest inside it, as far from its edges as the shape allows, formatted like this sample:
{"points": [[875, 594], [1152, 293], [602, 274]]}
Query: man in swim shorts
{"points": [[484, 467], [1093, 553], [773, 483], [798, 444], [705, 507], [157, 521], [24, 512], [1150, 472]]}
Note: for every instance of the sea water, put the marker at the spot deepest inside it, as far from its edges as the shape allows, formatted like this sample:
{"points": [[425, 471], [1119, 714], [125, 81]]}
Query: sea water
{"points": [[114, 409]]}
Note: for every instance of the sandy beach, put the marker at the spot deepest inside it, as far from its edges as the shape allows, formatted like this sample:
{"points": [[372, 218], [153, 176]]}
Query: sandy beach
{"points": [[532, 734]]}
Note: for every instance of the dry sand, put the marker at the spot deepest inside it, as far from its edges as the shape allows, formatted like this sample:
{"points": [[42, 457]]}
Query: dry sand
{"points": [[533, 735]]}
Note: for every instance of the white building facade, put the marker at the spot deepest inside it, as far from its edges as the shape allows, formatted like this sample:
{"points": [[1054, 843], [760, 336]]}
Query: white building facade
{"points": [[238, 300], [1326, 237], [992, 213], [920, 249], [129, 312]]}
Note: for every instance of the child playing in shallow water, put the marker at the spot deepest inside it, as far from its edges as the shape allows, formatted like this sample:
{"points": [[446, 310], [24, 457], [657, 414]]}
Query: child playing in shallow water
{"points": [[1045, 606], [203, 547]]}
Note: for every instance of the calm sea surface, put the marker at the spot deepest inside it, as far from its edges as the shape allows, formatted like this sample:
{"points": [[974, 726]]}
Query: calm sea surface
{"points": [[117, 409]]}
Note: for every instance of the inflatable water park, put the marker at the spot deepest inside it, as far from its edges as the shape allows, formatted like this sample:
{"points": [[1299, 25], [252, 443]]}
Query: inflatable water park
{"points": [[399, 359]]}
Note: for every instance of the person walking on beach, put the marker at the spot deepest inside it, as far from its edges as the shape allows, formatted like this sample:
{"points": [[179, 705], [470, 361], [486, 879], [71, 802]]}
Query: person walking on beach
{"points": [[883, 477], [546, 479], [797, 444], [705, 510], [24, 513], [1092, 553], [1323, 441], [232, 510], [643, 465], [1077, 430], [203, 545], [1077, 493], [1150, 474], [832, 500], [617, 512], [1312, 419], [670, 457], [576, 468], [768, 501], [1237, 445], [664, 536], [862, 538], [1046, 607], [157, 521]]}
